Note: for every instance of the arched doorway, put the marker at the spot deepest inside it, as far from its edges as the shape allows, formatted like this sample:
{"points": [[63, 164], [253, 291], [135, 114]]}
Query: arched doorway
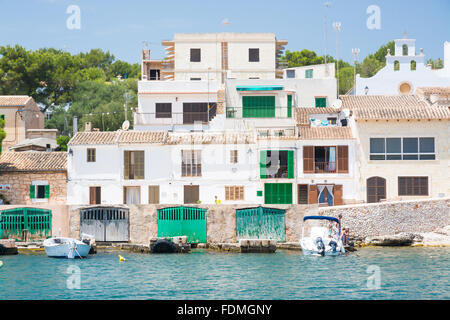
{"points": [[376, 189]]}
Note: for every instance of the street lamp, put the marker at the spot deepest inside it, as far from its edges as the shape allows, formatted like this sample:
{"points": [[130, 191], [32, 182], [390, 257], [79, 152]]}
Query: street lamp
{"points": [[355, 52], [337, 27]]}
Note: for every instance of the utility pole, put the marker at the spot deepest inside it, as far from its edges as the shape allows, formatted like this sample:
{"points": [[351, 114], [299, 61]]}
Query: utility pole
{"points": [[337, 26], [326, 4], [355, 52]]}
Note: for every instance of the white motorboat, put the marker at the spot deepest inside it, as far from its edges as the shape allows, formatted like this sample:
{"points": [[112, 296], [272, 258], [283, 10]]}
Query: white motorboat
{"points": [[60, 247], [322, 241]]}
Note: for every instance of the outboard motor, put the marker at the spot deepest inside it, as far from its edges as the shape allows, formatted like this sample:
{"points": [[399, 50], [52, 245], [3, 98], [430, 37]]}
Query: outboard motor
{"points": [[333, 245], [320, 246]]}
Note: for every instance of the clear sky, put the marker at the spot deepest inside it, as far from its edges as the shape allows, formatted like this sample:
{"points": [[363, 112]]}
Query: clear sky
{"points": [[122, 26]]}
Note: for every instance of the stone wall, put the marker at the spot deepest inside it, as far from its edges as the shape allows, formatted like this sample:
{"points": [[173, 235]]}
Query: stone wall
{"points": [[20, 182], [376, 219], [363, 220]]}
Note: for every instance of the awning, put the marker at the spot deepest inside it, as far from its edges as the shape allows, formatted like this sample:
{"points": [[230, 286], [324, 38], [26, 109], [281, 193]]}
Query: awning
{"points": [[258, 88]]}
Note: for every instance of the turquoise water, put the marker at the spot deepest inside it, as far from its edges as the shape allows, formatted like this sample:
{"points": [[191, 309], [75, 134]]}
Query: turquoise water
{"points": [[405, 273]]}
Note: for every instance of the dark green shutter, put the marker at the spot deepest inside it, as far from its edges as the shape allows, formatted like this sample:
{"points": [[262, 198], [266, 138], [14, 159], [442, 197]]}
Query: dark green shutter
{"points": [[32, 192], [263, 164], [289, 106], [290, 164], [321, 102], [47, 191], [258, 106]]}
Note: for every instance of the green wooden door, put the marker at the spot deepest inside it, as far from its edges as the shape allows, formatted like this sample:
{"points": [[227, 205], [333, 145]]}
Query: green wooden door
{"points": [[258, 106], [183, 221], [20, 223], [260, 223], [278, 193], [289, 106]]}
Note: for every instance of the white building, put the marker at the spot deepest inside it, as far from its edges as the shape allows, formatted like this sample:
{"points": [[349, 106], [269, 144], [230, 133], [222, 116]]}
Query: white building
{"points": [[405, 71]]}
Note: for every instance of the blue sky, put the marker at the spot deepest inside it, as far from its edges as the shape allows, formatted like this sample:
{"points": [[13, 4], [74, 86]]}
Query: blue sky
{"points": [[122, 26]]}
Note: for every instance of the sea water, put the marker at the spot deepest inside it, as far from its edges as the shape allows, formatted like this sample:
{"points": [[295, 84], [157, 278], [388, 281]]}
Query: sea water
{"points": [[369, 273]]}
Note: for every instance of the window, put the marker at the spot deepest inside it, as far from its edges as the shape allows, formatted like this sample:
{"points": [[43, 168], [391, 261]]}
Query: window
{"points": [[302, 194], [191, 163], [39, 191], [133, 165], [198, 111], [153, 194], [234, 193], [402, 149], [233, 156], [309, 73], [412, 186], [277, 164], [131, 195], [290, 74], [323, 159], [321, 102], [405, 50], [163, 110], [95, 195], [90, 155], [253, 55], [376, 189], [195, 55], [396, 65], [191, 194], [413, 65]]}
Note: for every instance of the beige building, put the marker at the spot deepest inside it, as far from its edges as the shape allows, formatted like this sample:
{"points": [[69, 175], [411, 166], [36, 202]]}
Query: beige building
{"points": [[403, 145], [33, 178], [20, 114]]}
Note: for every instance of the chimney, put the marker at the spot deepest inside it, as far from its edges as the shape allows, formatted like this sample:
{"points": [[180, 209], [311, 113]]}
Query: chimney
{"points": [[88, 126], [75, 125]]}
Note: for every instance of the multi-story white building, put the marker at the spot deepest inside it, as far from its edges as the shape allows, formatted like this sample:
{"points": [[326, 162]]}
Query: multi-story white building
{"points": [[405, 71]]}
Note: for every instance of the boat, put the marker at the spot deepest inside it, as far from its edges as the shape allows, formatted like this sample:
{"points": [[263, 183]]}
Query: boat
{"points": [[322, 240], [61, 247]]}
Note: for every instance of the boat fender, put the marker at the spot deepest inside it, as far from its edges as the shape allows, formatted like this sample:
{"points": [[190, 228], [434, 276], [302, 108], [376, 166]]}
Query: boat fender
{"points": [[163, 246], [333, 245], [121, 259], [320, 246]]}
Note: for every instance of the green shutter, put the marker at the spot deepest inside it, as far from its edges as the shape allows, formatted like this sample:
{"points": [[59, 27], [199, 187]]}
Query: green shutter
{"points": [[289, 106], [32, 192], [321, 102], [259, 193], [263, 164], [290, 164], [278, 193], [258, 106], [47, 191]]}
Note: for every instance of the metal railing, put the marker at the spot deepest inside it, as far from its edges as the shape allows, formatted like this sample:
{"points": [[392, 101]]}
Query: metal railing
{"points": [[279, 112], [325, 167], [192, 117]]}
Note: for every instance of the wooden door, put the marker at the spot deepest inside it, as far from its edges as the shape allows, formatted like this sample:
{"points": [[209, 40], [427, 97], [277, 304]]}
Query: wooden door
{"points": [[337, 193], [191, 194], [376, 189]]}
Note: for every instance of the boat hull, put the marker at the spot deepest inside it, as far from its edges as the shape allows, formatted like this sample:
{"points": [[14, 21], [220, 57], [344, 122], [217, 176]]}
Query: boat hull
{"points": [[67, 249]]}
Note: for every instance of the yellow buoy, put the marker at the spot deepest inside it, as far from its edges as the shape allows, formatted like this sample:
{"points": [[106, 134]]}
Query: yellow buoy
{"points": [[121, 258]]}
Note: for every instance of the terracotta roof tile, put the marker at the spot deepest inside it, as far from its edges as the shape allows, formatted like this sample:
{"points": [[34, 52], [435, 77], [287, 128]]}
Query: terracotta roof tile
{"points": [[131, 137], [13, 101], [33, 161], [400, 107], [94, 137], [433, 90], [330, 133]]}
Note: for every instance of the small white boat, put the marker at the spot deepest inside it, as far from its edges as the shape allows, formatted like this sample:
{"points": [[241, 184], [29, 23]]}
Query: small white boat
{"points": [[60, 247], [319, 241]]}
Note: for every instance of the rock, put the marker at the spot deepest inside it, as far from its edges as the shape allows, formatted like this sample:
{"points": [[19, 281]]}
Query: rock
{"points": [[401, 239]]}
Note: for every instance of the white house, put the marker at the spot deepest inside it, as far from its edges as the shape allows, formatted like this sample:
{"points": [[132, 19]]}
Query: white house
{"points": [[405, 71]]}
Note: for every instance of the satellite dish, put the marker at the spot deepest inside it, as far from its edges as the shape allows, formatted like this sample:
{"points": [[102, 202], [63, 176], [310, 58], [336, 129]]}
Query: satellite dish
{"points": [[337, 104], [345, 113], [125, 125]]}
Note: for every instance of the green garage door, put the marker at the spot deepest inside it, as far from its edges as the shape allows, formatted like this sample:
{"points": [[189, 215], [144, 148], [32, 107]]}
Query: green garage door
{"points": [[258, 106], [260, 223], [26, 224], [183, 221], [278, 193]]}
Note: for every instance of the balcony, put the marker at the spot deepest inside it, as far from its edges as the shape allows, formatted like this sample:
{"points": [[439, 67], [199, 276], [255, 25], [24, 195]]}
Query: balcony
{"points": [[325, 167], [281, 112]]}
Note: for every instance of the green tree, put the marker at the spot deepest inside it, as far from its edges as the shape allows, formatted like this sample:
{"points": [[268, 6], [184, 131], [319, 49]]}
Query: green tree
{"points": [[436, 63], [62, 142], [2, 132]]}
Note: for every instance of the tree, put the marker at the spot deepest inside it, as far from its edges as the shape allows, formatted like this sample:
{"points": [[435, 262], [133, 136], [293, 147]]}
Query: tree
{"points": [[62, 142], [436, 64], [2, 132], [346, 79]]}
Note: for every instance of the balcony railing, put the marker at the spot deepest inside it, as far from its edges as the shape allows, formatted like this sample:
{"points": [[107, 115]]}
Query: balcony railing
{"points": [[259, 112], [325, 167], [169, 118]]}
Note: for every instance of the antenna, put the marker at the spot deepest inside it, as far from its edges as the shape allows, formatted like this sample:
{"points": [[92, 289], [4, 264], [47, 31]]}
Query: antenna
{"points": [[125, 125], [326, 4], [337, 104]]}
